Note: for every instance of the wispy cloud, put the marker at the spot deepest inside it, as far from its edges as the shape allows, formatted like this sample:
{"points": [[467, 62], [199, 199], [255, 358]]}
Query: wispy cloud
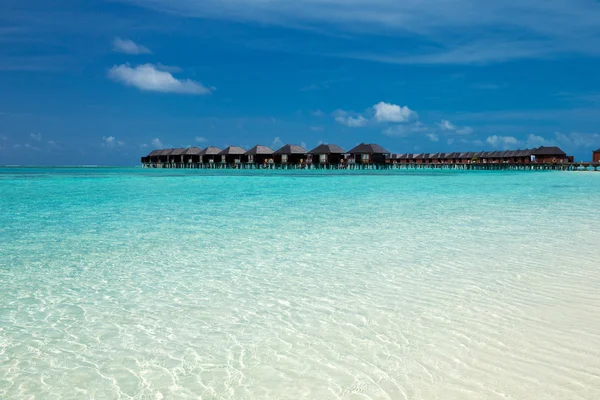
{"points": [[111, 142], [277, 143], [433, 137], [449, 127], [446, 31], [200, 139], [128, 46], [352, 121], [148, 77], [156, 143], [404, 130], [504, 142], [36, 136]]}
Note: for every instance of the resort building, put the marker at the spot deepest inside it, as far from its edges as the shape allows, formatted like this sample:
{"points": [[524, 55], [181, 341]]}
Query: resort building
{"points": [[290, 154], [363, 156], [259, 155], [326, 154], [192, 155], [367, 154], [210, 155], [596, 156], [232, 155]]}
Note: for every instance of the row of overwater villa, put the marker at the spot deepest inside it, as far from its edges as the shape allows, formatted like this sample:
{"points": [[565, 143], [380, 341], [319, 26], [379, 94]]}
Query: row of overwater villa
{"points": [[363, 156]]}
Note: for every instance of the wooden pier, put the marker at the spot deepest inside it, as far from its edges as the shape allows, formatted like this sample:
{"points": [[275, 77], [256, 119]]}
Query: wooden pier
{"points": [[581, 166]]}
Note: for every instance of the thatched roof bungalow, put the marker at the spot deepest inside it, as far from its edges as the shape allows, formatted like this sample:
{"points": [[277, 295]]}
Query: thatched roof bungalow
{"points": [[192, 155], [549, 155], [596, 156], [327, 154], [259, 154], [290, 154], [210, 155], [233, 155], [368, 154], [177, 156]]}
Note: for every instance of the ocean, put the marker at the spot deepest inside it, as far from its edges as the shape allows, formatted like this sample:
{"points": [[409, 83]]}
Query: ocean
{"points": [[184, 284]]}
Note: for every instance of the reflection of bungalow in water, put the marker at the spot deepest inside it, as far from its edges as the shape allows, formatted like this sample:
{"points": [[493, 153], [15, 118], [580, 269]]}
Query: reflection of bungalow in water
{"points": [[259, 155], [210, 155], [367, 154], [232, 155], [326, 154], [290, 154], [596, 156], [192, 155]]}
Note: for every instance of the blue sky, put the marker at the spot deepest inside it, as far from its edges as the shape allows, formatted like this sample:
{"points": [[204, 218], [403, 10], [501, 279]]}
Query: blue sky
{"points": [[104, 82]]}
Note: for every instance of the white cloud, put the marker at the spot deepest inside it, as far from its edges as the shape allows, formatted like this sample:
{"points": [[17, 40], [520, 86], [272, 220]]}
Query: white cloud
{"points": [[578, 139], [156, 143], [344, 118], [433, 137], [36, 136], [536, 141], [303, 145], [144, 146], [111, 141], [501, 141], [128, 46], [149, 78], [201, 139], [386, 112], [447, 125]]}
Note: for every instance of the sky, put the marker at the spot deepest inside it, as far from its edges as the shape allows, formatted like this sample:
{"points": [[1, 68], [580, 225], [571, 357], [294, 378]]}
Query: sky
{"points": [[103, 82]]}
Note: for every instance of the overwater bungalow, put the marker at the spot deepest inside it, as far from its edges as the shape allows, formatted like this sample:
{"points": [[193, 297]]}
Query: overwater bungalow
{"points": [[210, 155], [596, 156], [259, 155], [368, 154], [233, 156], [176, 157], [163, 157], [192, 155], [290, 154], [326, 154], [550, 155]]}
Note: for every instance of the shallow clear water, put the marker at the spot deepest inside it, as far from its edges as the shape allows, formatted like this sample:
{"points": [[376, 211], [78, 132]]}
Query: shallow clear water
{"points": [[135, 283]]}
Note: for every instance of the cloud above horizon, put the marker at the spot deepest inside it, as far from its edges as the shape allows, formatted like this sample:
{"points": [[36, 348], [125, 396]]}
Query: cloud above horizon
{"points": [[148, 77], [449, 32], [128, 46]]}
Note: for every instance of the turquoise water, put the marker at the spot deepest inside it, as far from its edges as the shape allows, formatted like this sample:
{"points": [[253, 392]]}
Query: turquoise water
{"points": [[158, 284]]}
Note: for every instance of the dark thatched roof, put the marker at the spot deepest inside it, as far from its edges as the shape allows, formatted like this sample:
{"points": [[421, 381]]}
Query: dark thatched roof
{"points": [[154, 153], [178, 152], [371, 148], [210, 151], [260, 150], [291, 149], [193, 151], [232, 151], [327, 149], [597, 151], [166, 152], [548, 151]]}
